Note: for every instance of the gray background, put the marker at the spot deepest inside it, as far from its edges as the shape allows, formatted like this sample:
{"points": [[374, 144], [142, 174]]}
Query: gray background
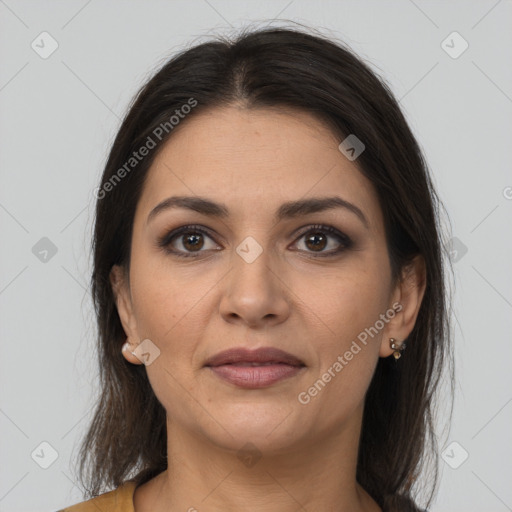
{"points": [[59, 116]]}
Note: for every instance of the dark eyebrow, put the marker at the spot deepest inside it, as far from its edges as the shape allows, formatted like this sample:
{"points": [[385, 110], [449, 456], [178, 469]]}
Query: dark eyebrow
{"points": [[288, 210]]}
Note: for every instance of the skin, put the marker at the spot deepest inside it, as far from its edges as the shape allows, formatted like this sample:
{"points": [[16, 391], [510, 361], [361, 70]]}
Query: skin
{"points": [[314, 307]]}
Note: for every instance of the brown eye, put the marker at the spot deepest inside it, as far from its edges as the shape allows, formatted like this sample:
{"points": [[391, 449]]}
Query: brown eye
{"points": [[316, 241], [318, 238], [193, 242], [187, 241]]}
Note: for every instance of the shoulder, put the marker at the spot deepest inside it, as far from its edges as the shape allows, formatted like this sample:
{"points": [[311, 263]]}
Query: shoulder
{"points": [[118, 500]]}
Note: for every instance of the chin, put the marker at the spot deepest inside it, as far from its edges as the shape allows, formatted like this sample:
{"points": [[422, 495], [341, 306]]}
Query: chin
{"points": [[268, 428]]}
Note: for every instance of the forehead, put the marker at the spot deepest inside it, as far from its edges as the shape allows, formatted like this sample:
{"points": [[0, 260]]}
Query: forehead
{"points": [[249, 158]]}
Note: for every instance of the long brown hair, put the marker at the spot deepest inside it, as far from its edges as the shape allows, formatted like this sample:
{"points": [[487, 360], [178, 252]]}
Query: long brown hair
{"points": [[282, 68]]}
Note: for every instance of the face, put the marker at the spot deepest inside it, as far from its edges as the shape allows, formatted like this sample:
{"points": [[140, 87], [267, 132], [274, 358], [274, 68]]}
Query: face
{"points": [[314, 282]]}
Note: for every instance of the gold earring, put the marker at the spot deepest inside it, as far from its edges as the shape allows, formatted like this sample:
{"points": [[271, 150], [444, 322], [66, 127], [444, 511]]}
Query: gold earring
{"points": [[397, 349]]}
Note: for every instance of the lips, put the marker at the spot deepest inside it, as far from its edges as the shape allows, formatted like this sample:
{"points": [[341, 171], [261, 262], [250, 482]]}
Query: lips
{"points": [[253, 369], [259, 357]]}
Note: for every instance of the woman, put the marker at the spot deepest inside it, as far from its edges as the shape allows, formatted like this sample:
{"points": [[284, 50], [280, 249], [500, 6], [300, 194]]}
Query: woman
{"points": [[269, 287]]}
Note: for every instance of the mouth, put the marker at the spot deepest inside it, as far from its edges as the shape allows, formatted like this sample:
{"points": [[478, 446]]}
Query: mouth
{"points": [[252, 369]]}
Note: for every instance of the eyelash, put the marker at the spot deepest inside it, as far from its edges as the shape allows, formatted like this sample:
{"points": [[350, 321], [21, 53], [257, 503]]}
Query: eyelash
{"points": [[165, 241]]}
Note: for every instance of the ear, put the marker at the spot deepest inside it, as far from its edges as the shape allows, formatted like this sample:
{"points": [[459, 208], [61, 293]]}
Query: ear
{"points": [[406, 297], [121, 290]]}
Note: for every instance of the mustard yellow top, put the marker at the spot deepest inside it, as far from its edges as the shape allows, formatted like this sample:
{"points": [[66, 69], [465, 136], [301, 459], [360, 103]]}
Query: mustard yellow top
{"points": [[121, 500], [118, 500]]}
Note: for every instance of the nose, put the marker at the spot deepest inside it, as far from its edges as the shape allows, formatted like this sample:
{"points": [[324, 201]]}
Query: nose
{"points": [[254, 294]]}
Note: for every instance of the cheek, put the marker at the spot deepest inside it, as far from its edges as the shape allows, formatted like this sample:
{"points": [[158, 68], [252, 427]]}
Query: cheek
{"points": [[348, 303], [351, 304], [167, 308], [173, 309], [165, 298], [345, 355]]}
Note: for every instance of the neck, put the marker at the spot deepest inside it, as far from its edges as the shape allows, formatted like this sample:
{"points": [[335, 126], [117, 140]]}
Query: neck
{"points": [[204, 477]]}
